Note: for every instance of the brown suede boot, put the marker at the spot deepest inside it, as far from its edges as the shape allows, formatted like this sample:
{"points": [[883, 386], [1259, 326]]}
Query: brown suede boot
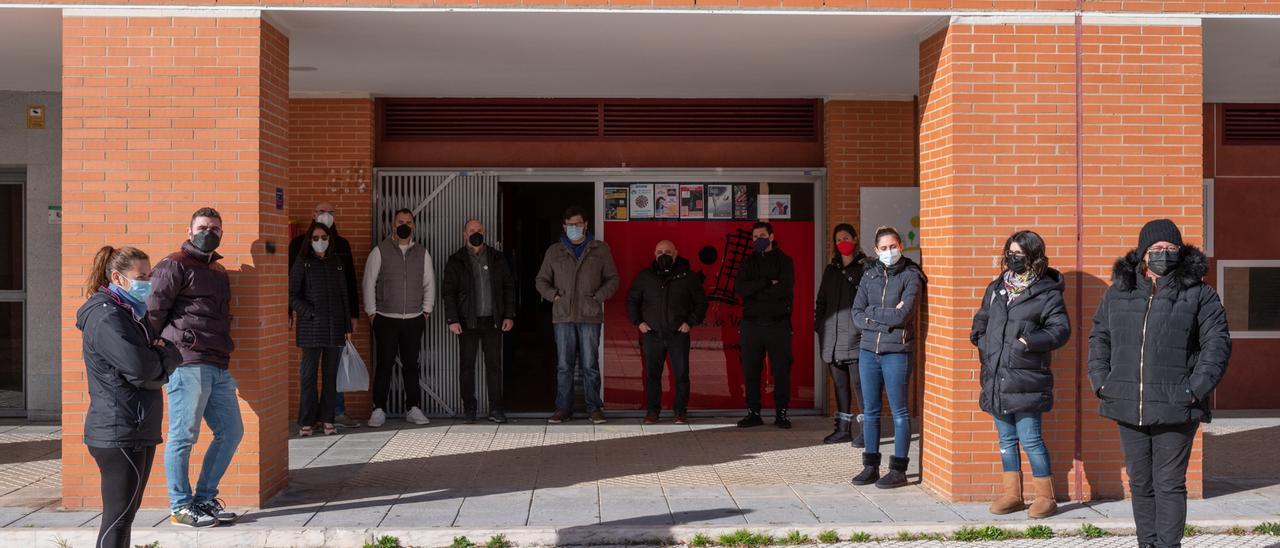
{"points": [[1045, 505], [1011, 500]]}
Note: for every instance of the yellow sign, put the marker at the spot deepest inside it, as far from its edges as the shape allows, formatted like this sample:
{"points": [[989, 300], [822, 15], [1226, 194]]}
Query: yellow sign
{"points": [[35, 116]]}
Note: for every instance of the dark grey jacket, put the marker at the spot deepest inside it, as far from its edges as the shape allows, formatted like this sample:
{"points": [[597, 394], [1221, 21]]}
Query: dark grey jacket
{"points": [[886, 327], [1156, 353], [190, 306], [1016, 377], [318, 294], [577, 288], [457, 289], [838, 339]]}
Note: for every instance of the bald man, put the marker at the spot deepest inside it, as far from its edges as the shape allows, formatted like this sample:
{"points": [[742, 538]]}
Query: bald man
{"points": [[665, 302]]}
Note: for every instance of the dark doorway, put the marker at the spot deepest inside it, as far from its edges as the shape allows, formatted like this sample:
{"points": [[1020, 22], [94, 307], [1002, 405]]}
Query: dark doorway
{"points": [[530, 223]]}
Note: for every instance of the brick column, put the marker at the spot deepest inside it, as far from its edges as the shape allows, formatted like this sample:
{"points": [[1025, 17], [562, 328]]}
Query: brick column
{"points": [[998, 154], [162, 115]]}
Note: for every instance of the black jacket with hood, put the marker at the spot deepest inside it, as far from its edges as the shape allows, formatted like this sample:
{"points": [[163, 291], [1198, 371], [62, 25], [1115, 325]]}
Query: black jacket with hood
{"points": [[1016, 377], [190, 306], [340, 248], [1158, 350], [838, 339], [318, 295], [886, 327], [666, 299]]}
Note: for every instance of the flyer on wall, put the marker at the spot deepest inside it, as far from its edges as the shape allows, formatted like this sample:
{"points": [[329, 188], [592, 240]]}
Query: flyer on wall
{"points": [[666, 201], [615, 203], [744, 206], [719, 202], [693, 204], [774, 206], [642, 201]]}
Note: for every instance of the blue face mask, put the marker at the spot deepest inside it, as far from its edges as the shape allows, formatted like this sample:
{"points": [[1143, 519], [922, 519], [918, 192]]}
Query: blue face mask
{"points": [[574, 233], [140, 289], [761, 245]]}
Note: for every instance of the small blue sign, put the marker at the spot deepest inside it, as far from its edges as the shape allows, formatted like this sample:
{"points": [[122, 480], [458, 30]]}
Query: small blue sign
{"points": [[279, 198]]}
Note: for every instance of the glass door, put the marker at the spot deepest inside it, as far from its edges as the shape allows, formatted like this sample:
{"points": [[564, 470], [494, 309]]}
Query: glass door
{"points": [[12, 292]]}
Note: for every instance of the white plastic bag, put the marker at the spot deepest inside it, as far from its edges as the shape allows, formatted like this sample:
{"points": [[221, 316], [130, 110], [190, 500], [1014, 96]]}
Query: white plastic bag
{"points": [[352, 376]]}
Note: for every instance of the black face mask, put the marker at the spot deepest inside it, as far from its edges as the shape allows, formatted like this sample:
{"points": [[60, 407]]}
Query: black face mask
{"points": [[206, 240], [1017, 263], [666, 261], [1162, 262], [404, 231], [476, 239]]}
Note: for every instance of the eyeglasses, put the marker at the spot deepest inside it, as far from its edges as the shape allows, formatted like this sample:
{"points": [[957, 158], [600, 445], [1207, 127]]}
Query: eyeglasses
{"points": [[579, 225], [1170, 249], [319, 238]]}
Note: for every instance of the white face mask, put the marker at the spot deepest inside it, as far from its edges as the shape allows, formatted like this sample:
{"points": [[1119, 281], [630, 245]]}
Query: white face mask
{"points": [[325, 219], [890, 257], [320, 246]]}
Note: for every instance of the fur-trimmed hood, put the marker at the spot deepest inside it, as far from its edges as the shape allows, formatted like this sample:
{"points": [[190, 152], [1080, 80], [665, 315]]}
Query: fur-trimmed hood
{"points": [[1192, 267]]}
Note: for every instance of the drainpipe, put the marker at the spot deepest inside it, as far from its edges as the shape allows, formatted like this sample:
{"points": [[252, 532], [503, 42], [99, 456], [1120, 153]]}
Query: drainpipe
{"points": [[1078, 464]]}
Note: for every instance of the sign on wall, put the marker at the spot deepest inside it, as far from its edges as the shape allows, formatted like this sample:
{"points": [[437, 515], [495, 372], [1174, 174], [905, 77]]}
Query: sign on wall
{"points": [[896, 207]]}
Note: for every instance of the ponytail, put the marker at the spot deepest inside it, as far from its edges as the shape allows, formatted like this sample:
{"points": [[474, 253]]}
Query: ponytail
{"points": [[106, 260]]}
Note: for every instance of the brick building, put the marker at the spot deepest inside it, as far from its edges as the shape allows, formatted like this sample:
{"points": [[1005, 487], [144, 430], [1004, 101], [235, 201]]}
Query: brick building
{"points": [[959, 121]]}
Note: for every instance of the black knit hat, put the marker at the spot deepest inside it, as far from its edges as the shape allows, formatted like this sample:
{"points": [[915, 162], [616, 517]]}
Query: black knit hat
{"points": [[1159, 230]]}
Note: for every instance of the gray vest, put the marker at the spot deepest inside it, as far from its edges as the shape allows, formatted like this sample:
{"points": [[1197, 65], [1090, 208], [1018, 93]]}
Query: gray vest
{"points": [[399, 286]]}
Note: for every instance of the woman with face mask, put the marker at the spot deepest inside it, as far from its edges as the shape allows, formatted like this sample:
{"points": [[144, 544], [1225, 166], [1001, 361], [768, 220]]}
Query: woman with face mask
{"points": [[1159, 347], [833, 321], [126, 366], [885, 311], [318, 295], [1021, 320]]}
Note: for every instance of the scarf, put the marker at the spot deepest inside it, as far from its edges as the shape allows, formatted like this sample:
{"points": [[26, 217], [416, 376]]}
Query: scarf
{"points": [[1017, 284]]}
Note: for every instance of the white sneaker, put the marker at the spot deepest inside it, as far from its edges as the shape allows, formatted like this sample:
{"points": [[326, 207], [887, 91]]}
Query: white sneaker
{"points": [[415, 416], [377, 418]]}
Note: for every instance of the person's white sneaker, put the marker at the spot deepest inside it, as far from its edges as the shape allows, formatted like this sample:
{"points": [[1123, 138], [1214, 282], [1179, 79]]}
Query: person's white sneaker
{"points": [[415, 416], [377, 418]]}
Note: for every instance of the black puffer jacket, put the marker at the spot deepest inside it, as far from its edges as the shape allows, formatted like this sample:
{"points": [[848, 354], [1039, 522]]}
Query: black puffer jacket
{"points": [[764, 301], [125, 374], [338, 247], [1016, 377], [318, 294], [457, 289], [838, 339], [664, 300], [886, 327], [1154, 358], [190, 306]]}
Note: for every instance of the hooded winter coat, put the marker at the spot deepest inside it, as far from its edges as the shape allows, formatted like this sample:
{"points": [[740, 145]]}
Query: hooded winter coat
{"points": [[318, 294], [838, 339], [886, 327], [1016, 377], [1158, 349]]}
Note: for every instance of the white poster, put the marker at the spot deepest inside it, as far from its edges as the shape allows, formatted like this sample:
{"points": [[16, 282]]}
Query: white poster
{"points": [[642, 201], [773, 206], [897, 207]]}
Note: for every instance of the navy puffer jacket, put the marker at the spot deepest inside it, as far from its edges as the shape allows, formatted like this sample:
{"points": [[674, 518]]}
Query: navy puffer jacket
{"points": [[887, 327]]}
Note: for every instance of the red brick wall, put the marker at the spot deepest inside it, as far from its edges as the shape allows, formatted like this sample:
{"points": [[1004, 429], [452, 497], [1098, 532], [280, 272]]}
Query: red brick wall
{"points": [[163, 115], [867, 143], [998, 155], [331, 160], [1212, 6]]}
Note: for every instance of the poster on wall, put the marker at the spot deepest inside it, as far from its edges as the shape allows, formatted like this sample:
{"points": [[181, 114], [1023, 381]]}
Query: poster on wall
{"points": [[895, 207], [615, 203], [744, 204], [693, 202], [774, 206], [666, 201], [719, 202], [642, 201]]}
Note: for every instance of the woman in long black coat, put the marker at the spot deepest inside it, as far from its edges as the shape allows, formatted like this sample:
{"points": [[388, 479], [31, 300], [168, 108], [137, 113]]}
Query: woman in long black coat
{"points": [[1159, 347], [837, 337], [318, 295], [1022, 320]]}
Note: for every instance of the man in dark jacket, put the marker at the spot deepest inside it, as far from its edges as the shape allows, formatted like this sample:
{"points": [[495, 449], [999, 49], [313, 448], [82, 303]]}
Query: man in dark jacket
{"points": [[665, 301], [479, 295], [190, 307], [340, 248], [766, 282], [1159, 346]]}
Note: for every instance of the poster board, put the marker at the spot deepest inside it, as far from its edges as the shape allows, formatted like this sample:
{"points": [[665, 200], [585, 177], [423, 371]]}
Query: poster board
{"points": [[898, 207]]}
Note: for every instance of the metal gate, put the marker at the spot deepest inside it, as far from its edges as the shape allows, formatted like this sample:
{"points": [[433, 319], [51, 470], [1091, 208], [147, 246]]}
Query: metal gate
{"points": [[442, 203]]}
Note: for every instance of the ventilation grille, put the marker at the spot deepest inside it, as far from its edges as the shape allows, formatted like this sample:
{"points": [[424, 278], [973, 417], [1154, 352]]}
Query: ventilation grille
{"points": [[612, 119], [1251, 125]]}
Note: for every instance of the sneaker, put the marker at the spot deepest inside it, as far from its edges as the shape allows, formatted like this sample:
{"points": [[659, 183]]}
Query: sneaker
{"points": [[560, 416], [650, 418], [681, 418], [346, 422], [752, 419], [498, 416], [377, 418], [415, 416], [214, 509], [597, 417], [192, 516]]}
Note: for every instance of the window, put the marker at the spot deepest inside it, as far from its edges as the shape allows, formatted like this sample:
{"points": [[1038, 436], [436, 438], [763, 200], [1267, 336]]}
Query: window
{"points": [[1250, 291]]}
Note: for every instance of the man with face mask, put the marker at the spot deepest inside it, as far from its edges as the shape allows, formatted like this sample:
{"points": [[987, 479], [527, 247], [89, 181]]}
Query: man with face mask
{"points": [[340, 248], [666, 300], [190, 307], [479, 295], [399, 294], [766, 283]]}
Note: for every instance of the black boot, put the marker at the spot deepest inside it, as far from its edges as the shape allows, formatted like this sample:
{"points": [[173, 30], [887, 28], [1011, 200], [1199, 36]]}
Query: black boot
{"points": [[752, 419], [870, 470], [780, 419], [841, 433], [858, 442], [897, 476]]}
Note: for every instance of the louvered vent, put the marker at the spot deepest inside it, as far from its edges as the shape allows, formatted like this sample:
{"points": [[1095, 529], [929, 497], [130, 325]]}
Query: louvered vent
{"points": [[610, 119], [1251, 125]]}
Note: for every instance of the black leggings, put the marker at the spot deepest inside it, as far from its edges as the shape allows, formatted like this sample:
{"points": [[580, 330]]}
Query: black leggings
{"points": [[845, 375], [124, 476]]}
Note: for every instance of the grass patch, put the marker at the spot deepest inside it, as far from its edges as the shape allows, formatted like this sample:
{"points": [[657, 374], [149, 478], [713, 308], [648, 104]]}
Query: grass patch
{"points": [[1268, 528], [1236, 530], [498, 541], [743, 538], [384, 541], [154, 544], [1038, 532], [990, 532], [795, 537], [860, 536], [700, 541], [1189, 530], [909, 536], [829, 536], [1090, 530], [462, 542]]}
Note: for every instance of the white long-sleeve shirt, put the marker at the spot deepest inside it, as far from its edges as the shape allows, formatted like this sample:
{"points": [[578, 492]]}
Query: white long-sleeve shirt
{"points": [[374, 265]]}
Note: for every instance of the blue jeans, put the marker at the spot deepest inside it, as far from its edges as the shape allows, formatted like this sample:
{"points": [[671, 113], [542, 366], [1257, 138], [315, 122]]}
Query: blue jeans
{"points": [[576, 341], [890, 371], [197, 391], [340, 405], [1025, 428]]}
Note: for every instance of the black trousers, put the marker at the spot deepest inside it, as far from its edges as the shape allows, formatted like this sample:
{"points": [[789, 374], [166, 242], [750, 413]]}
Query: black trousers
{"points": [[848, 386], [1156, 458], [326, 360], [758, 340], [124, 476], [656, 348], [403, 339], [488, 339]]}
